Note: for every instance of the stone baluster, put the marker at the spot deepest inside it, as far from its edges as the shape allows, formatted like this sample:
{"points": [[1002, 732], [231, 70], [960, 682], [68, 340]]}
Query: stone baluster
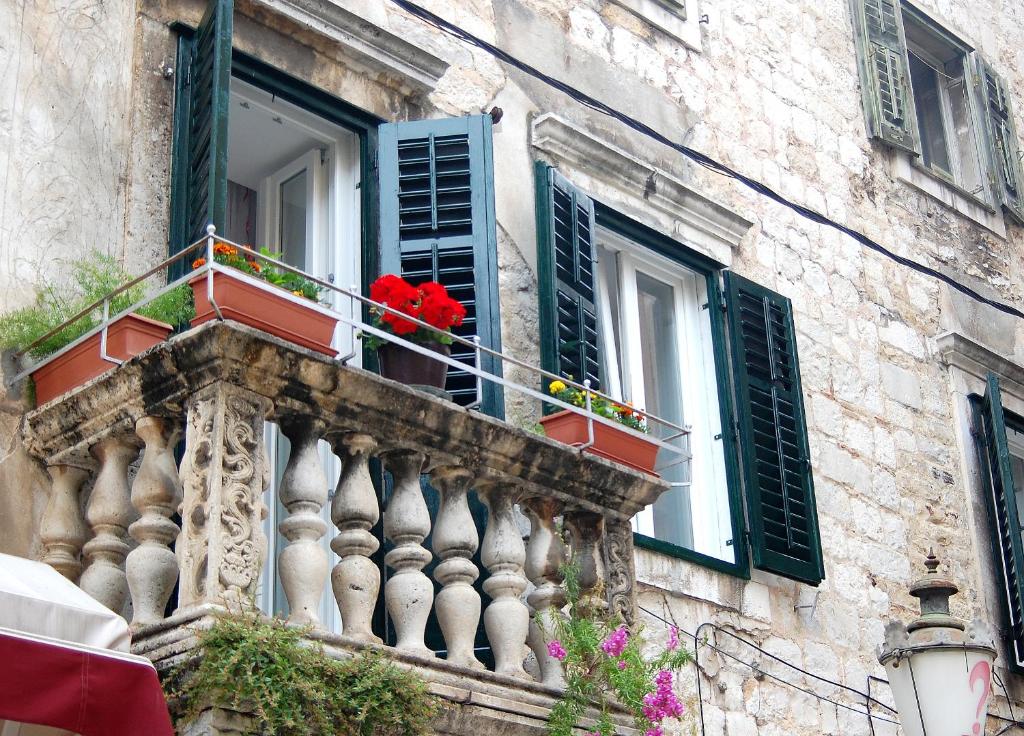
{"points": [[222, 548], [302, 564], [545, 555], [408, 592], [455, 543], [354, 511], [62, 529], [507, 619], [586, 531], [152, 567], [109, 513]]}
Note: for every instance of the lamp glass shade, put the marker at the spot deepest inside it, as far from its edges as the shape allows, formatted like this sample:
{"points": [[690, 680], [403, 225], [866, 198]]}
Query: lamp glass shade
{"points": [[949, 685]]}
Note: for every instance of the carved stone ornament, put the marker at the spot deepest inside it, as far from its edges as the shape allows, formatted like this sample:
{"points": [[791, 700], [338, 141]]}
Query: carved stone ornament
{"points": [[619, 571], [222, 546]]}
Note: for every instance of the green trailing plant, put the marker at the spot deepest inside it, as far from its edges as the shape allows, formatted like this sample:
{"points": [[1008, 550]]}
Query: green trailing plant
{"points": [[292, 687], [605, 663], [229, 255], [89, 279], [622, 413]]}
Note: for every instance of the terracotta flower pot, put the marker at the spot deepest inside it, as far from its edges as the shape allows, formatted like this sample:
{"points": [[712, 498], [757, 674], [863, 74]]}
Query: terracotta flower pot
{"points": [[614, 444], [266, 307], [411, 368], [126, 338]]}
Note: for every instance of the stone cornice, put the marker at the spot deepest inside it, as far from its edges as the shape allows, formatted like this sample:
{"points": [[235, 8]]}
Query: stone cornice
{"points": [[377, 49], [957, 350], [699, 220]]}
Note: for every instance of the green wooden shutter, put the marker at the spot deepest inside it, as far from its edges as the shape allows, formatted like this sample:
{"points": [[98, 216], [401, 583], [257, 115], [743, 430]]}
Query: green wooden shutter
{"points": [[200, 140], [885, 73], [566, 278], [1001, 138], [772, 432], [997, 477], [437, 223]]}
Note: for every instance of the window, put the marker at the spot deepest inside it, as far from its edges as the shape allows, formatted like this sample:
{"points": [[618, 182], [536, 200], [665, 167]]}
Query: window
{"points": [[929, 94], [680, 19], [641, 317], [1000, 442], [949, 146]]}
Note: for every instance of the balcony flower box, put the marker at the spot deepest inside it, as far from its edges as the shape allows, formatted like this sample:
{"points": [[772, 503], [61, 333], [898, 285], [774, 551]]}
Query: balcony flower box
{"points": [[126, 338], [256, 303], [618, 445]]}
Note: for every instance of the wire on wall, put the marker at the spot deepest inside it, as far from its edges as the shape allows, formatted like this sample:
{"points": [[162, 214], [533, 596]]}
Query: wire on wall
{"points": [[698, 157]]}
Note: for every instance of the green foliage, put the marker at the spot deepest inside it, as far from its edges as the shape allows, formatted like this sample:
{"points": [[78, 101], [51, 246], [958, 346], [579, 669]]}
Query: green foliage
{"points": [[90, 279], [597, 676], [292, 687], [229, 255], [622, 413]]}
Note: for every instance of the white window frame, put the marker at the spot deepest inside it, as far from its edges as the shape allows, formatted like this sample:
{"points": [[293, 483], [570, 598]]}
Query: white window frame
{"points": [[680, 19], [709, 493]]}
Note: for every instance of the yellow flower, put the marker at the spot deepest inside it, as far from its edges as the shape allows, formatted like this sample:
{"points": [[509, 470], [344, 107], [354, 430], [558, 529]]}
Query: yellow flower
{"points": [[297, 292], [556, 386]]}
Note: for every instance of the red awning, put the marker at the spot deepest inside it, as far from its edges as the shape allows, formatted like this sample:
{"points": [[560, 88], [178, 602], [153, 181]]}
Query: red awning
{"points": [[88, 691]]}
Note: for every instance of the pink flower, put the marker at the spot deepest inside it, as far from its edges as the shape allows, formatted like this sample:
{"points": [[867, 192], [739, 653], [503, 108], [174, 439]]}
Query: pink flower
{"points": [[621, 664], [556, 650], [616, 642], [662, 703], [656, 731], [673, 639]]}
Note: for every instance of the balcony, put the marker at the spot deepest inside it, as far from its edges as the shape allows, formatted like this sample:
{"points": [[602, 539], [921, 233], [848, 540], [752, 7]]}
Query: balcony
{"points": [[117, 493]]}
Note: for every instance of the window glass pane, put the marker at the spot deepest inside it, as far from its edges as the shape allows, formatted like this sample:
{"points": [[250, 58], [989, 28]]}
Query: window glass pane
{"points": [[611, 342], [929, 115], [293, 220], [963, 129], [673, 517]]}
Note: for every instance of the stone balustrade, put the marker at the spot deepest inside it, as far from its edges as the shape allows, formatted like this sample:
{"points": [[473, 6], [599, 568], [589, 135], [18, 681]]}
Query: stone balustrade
{"points": [[114, 440]]}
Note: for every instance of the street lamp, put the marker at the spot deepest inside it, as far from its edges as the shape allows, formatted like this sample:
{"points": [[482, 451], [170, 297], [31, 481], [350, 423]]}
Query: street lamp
{"points": [[940, 670]]}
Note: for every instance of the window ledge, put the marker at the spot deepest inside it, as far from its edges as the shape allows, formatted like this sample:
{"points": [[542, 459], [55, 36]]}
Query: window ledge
{"points": [[379, 51], [682, 24], [976, 359], [700, 222], [951, 196]]}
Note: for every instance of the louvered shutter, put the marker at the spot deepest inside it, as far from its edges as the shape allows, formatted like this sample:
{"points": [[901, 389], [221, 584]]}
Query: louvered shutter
{"points": [[885, 73], [997, 477], [437, 224], [200, 161], [772, 432], [1001, 135], [566, 280]]}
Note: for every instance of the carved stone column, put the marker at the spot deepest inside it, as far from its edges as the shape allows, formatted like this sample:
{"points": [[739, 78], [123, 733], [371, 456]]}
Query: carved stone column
{"points": [[354, 511], [545, 554], [222, 547], [151, 567], [507, 619], [620, 573], [586, 532], [455, 543], [109, 513], [409, 594], [302, 565], [62, 529]]}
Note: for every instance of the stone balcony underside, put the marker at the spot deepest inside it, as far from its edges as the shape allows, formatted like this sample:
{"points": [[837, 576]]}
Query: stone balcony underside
{"points": [[221, 381]]}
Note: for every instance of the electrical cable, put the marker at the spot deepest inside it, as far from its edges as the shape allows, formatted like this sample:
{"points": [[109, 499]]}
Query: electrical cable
{"points": [[787, 683], [698, 157]]}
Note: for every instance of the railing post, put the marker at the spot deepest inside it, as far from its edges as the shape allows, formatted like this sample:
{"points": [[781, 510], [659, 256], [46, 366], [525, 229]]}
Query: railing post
{"points": [[455, 543], [152, 568], [222, 547], [354, 511], [507, 619], [302, 564], [109, 513], [545, 554], [409, 594], [62, 529]]}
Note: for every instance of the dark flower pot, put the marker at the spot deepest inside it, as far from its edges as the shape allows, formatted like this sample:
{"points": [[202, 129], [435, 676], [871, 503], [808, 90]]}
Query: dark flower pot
{"points": [[413, 369]]}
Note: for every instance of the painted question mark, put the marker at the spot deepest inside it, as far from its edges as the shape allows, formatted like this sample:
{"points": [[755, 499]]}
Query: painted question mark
{"points": [[981, 671]]}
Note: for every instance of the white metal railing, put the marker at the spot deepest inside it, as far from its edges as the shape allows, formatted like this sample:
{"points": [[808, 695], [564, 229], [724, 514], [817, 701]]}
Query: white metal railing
{"points": [[356, 325]]}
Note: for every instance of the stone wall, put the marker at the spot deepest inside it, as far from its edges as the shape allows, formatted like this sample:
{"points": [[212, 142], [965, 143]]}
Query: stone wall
{"points": [[773, 92]]}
